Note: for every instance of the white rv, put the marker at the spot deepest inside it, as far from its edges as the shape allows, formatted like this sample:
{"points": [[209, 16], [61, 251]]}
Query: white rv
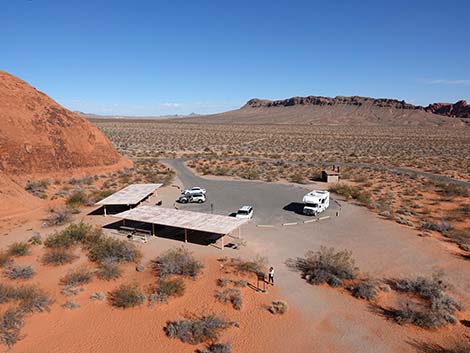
{"points": [[315, 202]]}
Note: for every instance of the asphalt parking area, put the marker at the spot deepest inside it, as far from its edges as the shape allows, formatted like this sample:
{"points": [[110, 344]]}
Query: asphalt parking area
{"points": [[273, 203]]}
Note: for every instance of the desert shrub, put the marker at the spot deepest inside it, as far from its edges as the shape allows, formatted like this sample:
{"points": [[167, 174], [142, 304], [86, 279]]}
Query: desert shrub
{"points": [[206, 328], [70, 304], [223, 282], [35, 239], [278, 307], [218, 348], [99, 195], [177, 261], [425, 287], [241, 283], [114, 250], [77, 199], [5, 259], [57, 257], [411, 313], [442, 227], [19, 249], [325, 266], [59, 217], [77, 277], [353, 192], [19, 272], [98, 296], [438, 308], [11, 322], [126, 296], [167, 288], [74, 234], [366, 289], [230, 295], [70, 290], [109, 270], [453, 190], [38, 188], [257, 265], [30, 297]]}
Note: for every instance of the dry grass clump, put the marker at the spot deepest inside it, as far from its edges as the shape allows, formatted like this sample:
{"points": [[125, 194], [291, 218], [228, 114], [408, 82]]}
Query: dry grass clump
{"points": [[166, 289], [57, 257], [11, 323], [352, 192], [365, 289], [19, 272], [177, 261], [325, 266], [257, 265], [230, 295], [77, 277], [108, 270], [74, 234], [29, 297], [18, 249], [38, 188], [5, 259], [218, 348], [278, 307], [198, 329], [434, 307], [77, 199], [70, 304], [58, 217], [126, 296], [113, 250]]}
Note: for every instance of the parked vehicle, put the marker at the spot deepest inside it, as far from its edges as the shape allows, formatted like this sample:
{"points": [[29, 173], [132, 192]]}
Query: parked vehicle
{"points": [[185, 198], [194, 190], [315, 202], [245, 212]]}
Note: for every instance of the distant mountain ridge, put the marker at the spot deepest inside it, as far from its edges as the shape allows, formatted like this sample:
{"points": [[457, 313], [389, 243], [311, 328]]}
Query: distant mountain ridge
{"points": [[340, 110], [459, 109]]}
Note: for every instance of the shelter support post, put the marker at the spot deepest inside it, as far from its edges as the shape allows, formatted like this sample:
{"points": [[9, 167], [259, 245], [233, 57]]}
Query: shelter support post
{"points": [[105, 211], [185, 235], [153, 229], [223, 235]]}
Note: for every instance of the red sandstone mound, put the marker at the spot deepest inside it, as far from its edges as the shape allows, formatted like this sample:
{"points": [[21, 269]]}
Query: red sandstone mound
{"points": [[38, 137]]}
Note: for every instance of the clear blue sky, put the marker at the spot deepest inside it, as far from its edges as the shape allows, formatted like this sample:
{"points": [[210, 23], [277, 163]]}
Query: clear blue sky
{"points": [[168, 57]]}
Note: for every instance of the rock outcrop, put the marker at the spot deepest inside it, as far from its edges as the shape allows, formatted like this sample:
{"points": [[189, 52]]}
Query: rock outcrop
{"points": [[456, 110], [41, 139]]}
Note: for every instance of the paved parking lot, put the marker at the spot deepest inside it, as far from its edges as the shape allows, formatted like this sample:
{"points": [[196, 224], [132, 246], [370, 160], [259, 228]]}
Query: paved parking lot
{"points": [[273, 203]]}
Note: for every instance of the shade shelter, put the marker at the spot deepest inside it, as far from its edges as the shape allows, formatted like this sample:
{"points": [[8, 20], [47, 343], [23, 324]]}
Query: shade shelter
{"points": [[130, 196], [187, 220]]}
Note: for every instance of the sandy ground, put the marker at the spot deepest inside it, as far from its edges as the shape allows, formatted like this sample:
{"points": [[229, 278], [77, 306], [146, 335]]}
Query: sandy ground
{"points": [[320, 319]]}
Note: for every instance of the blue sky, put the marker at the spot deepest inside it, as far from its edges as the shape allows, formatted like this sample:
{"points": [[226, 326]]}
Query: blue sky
{"points": [[177, 57]]}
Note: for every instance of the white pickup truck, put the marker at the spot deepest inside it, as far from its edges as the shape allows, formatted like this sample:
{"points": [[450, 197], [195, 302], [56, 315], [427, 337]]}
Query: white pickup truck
{"points": [[315, 202]]}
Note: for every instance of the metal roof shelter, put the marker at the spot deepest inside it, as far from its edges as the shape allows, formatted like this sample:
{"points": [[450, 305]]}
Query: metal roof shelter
{"points": [[197, 221], [129, 196]]}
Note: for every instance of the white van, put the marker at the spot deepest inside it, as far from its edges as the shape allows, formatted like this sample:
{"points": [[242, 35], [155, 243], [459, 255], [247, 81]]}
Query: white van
{"points": [[315, 202]]}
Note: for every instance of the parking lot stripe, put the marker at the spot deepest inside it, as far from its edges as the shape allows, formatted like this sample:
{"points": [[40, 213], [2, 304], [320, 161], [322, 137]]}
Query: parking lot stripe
{"points": [[289, 224], [265, 225], [322, 218], [310, 221]]}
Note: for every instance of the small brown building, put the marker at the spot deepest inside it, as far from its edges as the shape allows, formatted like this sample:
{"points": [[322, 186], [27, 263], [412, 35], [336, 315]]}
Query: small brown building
{"points": [[331, 175]]}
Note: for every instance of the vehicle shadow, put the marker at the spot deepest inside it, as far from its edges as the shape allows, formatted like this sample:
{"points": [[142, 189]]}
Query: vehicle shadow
{"points": [[295, 207]]}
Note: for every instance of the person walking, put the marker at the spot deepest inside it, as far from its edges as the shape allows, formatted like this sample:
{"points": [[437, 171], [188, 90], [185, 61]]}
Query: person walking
{"points": [[271, 276]]}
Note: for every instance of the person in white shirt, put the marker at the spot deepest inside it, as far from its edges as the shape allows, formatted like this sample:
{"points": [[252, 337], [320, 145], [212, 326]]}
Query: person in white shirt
{"points": [[271, 275]]}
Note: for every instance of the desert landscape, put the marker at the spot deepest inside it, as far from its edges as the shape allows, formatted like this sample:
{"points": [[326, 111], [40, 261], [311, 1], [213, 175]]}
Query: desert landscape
{"points": [[234, 177], [383, 270]]}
